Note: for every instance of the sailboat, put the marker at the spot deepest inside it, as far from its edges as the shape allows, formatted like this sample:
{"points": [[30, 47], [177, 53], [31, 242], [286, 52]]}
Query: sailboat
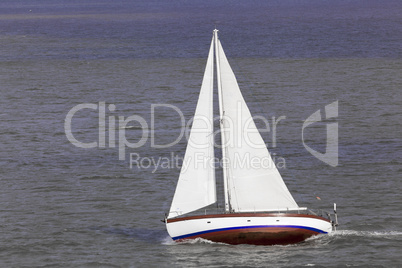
{"points": [[258, 207]]}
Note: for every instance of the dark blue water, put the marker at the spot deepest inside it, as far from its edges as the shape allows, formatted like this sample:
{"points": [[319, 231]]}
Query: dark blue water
{"points": [[62, 205]]}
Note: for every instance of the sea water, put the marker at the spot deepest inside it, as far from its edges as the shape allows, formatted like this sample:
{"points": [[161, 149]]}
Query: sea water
{"points": [[68, 206]]}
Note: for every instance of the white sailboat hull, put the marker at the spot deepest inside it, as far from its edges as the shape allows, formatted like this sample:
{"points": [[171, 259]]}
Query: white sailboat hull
{"points": [[249, 228]]}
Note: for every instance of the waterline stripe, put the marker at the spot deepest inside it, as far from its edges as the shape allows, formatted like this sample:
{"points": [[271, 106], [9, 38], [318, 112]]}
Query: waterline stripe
{"points": [[249, 227]]}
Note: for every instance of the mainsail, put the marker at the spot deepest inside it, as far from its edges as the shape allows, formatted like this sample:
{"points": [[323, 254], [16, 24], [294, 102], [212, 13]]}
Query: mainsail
{"points": [[196, 187]]}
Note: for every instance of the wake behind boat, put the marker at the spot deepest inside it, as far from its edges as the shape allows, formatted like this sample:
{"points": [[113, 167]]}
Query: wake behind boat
{"points": [[259, 209]]}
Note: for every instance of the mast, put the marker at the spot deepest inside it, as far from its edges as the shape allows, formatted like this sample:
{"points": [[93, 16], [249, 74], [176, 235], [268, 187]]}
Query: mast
{"points": [[221, 114]]}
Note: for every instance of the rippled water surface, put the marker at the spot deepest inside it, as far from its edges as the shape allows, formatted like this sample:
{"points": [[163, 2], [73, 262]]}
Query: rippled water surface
{"points": [[63, 206]]}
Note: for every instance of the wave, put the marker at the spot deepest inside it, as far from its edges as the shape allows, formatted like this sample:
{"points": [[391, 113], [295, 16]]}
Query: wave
{"points": [[169, 241], [354, 233], [366, 233]]}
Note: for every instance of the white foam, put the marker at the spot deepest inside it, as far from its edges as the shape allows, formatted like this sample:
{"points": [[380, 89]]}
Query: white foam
{"points": [[169, 241], [365, 233]]}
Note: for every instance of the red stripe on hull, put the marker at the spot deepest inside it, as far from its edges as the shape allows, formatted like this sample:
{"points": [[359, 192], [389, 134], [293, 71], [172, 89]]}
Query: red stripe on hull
{"points": [[258, 236]]}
